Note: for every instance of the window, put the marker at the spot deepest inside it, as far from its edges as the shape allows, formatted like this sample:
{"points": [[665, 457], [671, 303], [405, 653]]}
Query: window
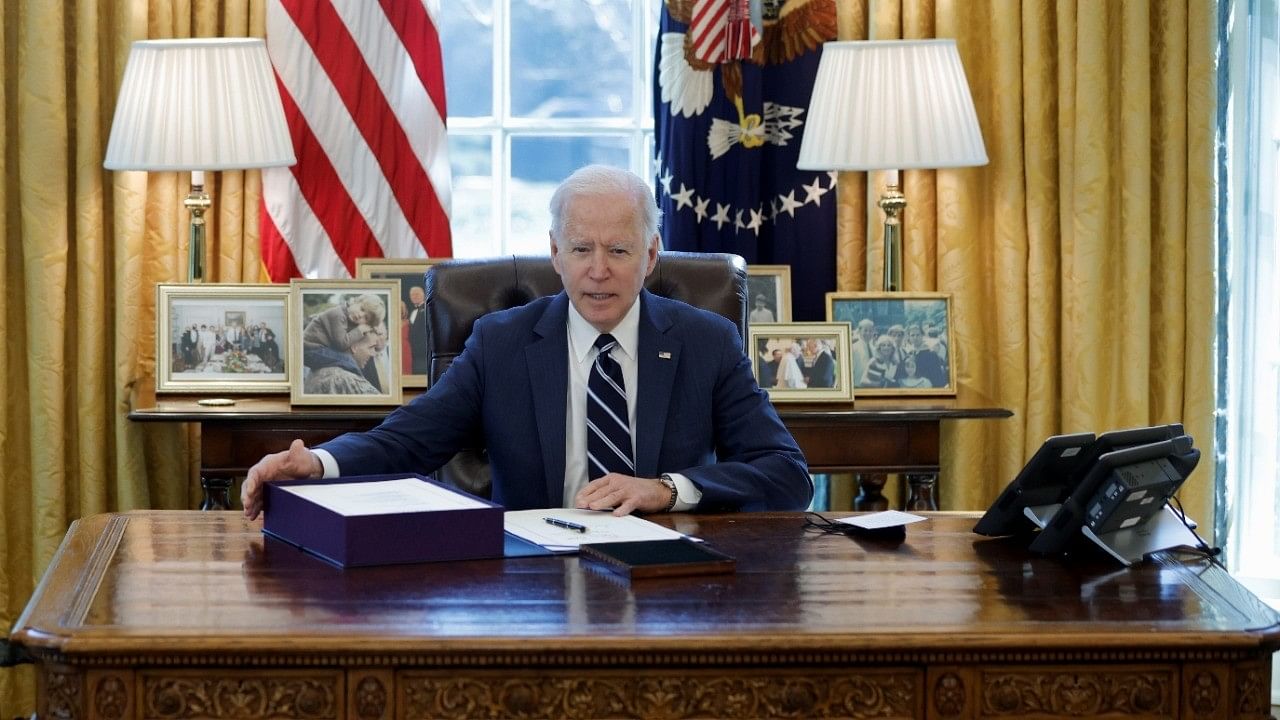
{"points": [[1250, 349], [536, 89]]}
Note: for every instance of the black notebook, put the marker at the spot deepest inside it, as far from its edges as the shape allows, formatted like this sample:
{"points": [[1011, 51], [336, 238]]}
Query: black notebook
{"points": [[657, 558]]}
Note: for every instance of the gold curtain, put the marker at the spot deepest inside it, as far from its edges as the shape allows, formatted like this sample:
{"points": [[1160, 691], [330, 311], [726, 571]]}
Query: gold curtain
{"points": [[83, 251], [1081, 258]]}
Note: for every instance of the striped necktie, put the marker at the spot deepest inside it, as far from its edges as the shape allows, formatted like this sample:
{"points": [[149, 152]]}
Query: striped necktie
{"points": [[608, 429]]}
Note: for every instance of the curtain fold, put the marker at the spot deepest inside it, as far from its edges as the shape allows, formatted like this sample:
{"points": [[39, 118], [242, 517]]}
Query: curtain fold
{"points": [[1080, 258]]}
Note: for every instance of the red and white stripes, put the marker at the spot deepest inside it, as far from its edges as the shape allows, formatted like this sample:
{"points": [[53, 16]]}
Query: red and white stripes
{"points": [[721, 30], [363, 91]]}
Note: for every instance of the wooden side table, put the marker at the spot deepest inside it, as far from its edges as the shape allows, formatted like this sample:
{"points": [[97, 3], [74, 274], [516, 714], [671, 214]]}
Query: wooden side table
{"points": [[871, 437]]}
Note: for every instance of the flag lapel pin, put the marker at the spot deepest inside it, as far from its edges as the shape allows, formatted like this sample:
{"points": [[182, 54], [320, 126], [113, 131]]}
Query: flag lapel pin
{"points": [[664, 355]]}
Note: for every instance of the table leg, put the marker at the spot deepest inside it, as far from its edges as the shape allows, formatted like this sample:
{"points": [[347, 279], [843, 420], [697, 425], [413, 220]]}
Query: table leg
{"points": [[217, 492], [871, 496], [922, 491]]}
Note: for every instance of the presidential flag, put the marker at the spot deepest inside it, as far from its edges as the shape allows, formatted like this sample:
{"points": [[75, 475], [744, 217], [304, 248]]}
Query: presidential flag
{"points": [[363, 90], [729, 112]]}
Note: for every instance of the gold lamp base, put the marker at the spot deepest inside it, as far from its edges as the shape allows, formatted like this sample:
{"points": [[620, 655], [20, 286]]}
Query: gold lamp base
{"points": [[197, 202], [893, 202]]}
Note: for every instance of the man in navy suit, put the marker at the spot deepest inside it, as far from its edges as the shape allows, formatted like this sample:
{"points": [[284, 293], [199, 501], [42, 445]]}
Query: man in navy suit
{"points": [[702, 434]]}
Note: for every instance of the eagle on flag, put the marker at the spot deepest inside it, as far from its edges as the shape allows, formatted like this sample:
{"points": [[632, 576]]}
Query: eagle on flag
{"points": [[733, 80], [722, 35]]}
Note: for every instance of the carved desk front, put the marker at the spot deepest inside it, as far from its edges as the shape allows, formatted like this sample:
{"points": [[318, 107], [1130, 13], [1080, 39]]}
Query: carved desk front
{"points": [[173, 614]]}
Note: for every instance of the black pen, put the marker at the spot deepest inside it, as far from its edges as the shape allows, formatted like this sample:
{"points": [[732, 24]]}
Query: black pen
{"points": [[565, 524]]}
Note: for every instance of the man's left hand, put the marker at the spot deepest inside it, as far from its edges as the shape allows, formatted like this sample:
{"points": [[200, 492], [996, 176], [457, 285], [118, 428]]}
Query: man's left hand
{"points": [[624, 495]]}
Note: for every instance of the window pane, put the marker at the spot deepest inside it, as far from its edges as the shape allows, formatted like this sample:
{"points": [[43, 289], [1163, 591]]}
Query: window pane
{"points": [[538, 164], [571, 59], [470, 157], [465, 28]]}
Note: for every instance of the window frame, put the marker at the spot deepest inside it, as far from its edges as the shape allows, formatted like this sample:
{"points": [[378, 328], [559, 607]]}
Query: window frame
{"points": [[502, 127]]}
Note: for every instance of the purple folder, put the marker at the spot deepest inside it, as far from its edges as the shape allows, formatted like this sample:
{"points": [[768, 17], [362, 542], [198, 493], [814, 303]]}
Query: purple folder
{"points": [[410, 537]]}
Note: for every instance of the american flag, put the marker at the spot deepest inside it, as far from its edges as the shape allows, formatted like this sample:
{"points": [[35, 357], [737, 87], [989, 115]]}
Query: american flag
{"points": [[363, 90]]}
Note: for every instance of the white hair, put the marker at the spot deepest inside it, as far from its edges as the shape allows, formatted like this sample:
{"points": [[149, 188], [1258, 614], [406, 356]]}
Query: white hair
{"points": [[606, 180]]}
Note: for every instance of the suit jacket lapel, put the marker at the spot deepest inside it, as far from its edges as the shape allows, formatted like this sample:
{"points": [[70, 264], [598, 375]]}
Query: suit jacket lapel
{"points": [[658, 356], [547, 360]]}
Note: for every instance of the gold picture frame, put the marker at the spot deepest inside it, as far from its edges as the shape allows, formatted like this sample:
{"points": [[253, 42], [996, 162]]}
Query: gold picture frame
{"points": [[773, 284], [918, 327], [222, 339], [340, 351], [405, 271], [802, 362]]}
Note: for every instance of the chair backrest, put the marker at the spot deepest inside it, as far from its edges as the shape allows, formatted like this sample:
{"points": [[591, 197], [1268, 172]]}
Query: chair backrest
{"points": [[460, 291]]}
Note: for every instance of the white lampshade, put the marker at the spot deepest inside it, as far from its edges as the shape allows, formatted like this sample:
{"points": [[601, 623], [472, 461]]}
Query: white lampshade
{"points": [[199, 104], [891, 105]]}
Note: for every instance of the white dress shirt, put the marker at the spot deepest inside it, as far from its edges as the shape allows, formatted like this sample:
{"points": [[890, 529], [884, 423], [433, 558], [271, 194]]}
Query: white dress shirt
{"points": [[582, 356]]}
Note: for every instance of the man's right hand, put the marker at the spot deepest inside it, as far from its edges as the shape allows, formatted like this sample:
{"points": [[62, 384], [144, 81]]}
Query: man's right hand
{"points": [[296, 462]]}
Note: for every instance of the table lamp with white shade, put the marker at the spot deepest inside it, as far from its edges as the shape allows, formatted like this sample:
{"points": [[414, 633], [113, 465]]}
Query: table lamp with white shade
{"points": [[198, 104], [891, 105]]}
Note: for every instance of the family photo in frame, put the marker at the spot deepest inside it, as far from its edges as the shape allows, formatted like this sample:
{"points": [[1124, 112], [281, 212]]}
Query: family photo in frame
{"points": [[802, 362], [900, 341], [410, 274], [768, 293], [343, 351], [222, 338]]}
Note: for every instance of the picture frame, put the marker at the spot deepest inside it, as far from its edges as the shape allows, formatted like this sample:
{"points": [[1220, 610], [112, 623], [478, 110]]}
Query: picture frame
{"points": [[409, 273], [916, 324], [340, 350], [222, 339], [773, 284], [802, 362]]}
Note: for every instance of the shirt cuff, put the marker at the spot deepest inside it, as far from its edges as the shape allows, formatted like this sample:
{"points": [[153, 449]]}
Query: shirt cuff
{"points": [[328, 463], [687, 494]]}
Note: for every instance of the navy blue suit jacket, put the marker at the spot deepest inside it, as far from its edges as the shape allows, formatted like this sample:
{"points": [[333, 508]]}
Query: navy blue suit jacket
{"points": [[699, 412]]}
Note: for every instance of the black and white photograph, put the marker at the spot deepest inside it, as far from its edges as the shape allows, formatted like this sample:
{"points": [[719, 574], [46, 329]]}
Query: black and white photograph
{"points": [[802, 362], [411, 274], [768, 293], [347, 343], [222, 338], [901, 342]]}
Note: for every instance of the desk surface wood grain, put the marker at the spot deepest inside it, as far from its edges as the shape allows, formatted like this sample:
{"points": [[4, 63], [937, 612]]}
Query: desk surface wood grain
{"points": [[187, 589]]}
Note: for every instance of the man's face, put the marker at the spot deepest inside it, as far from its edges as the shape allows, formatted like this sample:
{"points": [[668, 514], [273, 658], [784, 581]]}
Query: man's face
{"points": [[811, 345], [867, 330], [603, 257], [416, 295]]}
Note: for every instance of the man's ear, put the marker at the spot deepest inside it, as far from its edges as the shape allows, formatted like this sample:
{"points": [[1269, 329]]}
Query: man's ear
{"points": [[555, 252], [655, 245]]}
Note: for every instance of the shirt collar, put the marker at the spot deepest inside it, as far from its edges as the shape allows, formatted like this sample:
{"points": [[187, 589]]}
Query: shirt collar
{"points": [[583, 335]]}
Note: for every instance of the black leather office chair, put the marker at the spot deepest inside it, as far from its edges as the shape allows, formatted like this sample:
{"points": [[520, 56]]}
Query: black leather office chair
{"points": [[460, 291]]}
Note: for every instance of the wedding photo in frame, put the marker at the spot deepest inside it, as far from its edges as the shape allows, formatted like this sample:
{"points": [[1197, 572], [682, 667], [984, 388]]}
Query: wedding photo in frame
{"points": [[413, 316], [341, 350], [900, 341], [768, 293], [222, 338], [802, 362]]}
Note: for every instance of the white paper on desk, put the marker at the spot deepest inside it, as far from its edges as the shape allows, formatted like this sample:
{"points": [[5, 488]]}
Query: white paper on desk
{"points": [[601, 527], [383, 497], [888, 518]]}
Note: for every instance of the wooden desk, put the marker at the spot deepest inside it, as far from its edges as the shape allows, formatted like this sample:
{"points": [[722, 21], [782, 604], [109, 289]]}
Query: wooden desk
{"points": [[177, 614], [873, 437]]}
